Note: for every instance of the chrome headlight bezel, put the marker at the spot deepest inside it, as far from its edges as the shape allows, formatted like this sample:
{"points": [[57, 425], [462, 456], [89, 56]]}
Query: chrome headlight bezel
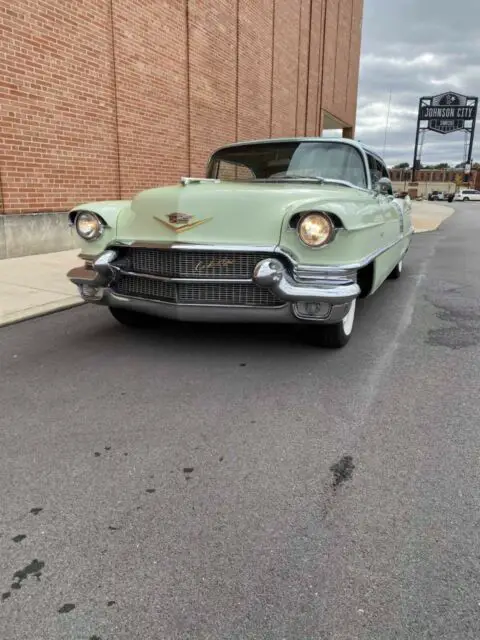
{"points": [[329, 228], [97, 227]]}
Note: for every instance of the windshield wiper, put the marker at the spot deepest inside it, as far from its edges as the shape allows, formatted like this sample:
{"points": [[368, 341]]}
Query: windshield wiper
{"points": [[316, 179], [300, 178]]}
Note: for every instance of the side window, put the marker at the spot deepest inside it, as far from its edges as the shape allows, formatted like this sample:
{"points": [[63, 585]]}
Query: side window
{"points": [[375, 174], [377, 169], [233, 172], [384, 170]]}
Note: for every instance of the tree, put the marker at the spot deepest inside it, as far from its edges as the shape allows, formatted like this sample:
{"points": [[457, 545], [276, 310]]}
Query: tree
{"points": [[441, 165], [402, 165]]}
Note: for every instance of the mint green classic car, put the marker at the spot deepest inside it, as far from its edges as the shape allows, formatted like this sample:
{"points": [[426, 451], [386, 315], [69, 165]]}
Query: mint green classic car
{"points": [[289, 230]]}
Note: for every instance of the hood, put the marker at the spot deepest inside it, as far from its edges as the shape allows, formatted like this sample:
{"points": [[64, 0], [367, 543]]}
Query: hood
{"points": [[228, 212]]}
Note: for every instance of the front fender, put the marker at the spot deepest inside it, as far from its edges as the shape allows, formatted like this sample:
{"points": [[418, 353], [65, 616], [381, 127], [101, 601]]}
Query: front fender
{"points": [[108, 211], [362, 224]]}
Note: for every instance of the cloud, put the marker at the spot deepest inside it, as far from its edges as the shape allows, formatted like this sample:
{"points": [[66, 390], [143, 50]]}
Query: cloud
{"points": [[412, 49]]}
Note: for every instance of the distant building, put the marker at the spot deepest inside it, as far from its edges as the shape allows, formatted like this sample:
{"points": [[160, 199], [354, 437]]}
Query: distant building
{"points": [[428, 180]]}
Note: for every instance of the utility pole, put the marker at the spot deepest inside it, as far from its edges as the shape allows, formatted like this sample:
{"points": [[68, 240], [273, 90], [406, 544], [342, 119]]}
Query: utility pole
{"points": [[386, 123]]}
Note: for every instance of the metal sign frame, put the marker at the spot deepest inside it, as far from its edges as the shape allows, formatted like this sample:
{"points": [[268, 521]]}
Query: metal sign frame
{"points": [[446, 113]]}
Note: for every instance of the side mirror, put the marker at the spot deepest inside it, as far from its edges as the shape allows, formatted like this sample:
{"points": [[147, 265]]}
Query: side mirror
{"points": [[384, 187]]}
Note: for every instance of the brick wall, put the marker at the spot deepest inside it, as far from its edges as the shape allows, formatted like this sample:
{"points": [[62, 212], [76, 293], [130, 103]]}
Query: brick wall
{"points": [[57, 115], [102, 98], [150, 47]]}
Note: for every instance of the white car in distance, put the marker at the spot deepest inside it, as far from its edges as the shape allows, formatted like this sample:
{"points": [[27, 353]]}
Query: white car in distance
{"points": [[467, 194]]}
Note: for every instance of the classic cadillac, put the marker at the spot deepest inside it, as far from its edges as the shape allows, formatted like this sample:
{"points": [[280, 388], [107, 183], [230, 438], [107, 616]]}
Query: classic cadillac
{"points": [[287, 230]]}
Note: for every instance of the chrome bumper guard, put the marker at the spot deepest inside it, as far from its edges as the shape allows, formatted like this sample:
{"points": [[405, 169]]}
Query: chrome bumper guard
{"points": [[272, 274], [333, 289], [98, 274]]}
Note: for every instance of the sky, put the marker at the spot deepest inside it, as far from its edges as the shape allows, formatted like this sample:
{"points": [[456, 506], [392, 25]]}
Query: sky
{"points": [[416, 48]]}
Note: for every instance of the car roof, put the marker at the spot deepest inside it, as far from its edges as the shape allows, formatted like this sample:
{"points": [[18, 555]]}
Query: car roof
{"points": [[353, 143]]}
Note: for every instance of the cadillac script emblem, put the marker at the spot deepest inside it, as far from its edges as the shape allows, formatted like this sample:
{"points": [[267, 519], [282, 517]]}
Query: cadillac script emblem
{"points": [[204, 265], [180, 222]]}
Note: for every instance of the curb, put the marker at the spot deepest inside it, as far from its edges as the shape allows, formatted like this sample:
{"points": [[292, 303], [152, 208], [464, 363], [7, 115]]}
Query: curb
{"points": [[45, 310]]}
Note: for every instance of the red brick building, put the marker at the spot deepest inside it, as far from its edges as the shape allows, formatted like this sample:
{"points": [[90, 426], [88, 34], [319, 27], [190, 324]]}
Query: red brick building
{"points": [[102, 98], [427, 180]]}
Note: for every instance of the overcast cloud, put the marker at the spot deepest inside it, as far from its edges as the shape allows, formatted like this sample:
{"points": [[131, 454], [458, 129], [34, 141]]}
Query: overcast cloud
{"points": [[416, 48]]}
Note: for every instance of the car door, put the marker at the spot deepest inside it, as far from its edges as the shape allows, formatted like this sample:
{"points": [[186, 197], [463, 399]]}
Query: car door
{"points": [[383, 201], [475, 195], [394, 226]]}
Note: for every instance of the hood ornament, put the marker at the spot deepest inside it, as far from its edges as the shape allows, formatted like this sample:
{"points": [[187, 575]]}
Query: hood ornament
{"points": [[179, 218], [180, 222]]}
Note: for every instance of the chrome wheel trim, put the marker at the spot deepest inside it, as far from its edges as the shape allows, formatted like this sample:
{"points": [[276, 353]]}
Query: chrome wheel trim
{"points": [[347, 322]]}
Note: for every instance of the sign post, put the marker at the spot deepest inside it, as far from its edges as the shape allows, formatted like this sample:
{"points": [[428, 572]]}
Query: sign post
{"points": [[446, 113]]}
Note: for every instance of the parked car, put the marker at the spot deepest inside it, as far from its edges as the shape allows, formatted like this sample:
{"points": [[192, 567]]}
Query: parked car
{"points": [[291, 230], [436, 195], [467, 194]]}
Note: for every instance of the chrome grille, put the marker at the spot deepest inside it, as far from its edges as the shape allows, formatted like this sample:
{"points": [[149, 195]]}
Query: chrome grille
{"points": [[248, 295], [145, 288], [171, 263], [215, 293]]}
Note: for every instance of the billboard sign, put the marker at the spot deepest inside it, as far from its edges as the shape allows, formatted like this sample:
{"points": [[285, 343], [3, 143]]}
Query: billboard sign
{"points": [[447, 112]]}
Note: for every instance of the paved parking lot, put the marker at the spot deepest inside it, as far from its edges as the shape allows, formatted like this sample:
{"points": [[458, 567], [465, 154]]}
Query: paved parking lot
{"points": [[229, 483]]}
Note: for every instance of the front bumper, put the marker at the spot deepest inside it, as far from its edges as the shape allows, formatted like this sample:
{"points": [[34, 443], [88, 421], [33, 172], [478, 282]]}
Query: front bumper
{"points": [[312, 294], [272, 274]]}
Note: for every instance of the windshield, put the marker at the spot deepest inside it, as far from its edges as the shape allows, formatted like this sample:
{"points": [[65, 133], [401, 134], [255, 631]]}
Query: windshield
{"points": [[289, 160]]}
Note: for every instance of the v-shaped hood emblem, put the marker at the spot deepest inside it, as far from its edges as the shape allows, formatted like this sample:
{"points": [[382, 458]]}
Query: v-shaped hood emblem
{"points": [[180, 222]]}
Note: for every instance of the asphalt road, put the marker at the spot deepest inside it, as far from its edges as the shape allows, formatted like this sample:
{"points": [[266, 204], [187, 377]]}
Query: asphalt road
{"points": [[232, 483]]}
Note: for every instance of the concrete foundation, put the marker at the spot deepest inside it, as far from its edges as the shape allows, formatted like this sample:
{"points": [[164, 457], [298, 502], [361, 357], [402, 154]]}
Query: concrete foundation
{"points": [[29, 234]]}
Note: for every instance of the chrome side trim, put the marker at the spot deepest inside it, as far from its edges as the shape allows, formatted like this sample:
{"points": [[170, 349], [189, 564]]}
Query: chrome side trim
{"points": [[352, 266], [376, 254], [309, 273]]}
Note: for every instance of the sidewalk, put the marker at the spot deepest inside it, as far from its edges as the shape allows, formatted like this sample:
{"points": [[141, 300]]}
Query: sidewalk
{"points": [[428, 216], [37, 285]]}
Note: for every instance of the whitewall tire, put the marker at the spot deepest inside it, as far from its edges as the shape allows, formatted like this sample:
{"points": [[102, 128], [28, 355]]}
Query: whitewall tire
{"points": [[333, 336], [397, 272]]}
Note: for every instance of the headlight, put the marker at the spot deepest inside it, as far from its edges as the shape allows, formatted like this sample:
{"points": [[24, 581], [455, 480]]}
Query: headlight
{"points": [[88, 226], [315, 229]]}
